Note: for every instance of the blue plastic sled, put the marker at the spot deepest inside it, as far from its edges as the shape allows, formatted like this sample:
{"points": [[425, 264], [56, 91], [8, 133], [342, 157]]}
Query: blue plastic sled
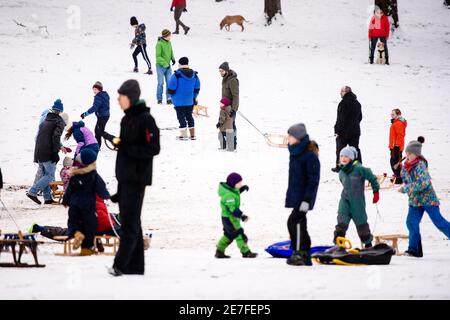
{"points": [[284, 249]]}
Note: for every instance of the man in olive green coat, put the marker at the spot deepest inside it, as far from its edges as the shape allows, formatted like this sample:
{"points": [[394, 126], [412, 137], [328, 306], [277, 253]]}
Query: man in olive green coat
{"points": [[230, 89], [352, 205], [164, 55]]}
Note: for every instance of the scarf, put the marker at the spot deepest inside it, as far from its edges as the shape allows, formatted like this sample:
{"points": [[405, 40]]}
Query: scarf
{"points": [[297, 149]]}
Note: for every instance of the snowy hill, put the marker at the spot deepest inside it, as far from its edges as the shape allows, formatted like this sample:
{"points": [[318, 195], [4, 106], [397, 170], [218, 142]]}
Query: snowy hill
{"points": [[288, 73]]}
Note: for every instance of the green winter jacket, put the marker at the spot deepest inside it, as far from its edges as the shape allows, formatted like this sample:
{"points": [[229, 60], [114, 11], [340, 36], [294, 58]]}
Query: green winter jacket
{"points": [[164, 53], [230, 89], [353, 177], [230, 200]]}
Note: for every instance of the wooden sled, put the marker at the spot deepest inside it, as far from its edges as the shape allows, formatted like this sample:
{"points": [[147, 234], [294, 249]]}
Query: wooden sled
{"points": [[383, 180], [276, 140], [19, 240], [57, 192], [393, 238], [110, 241], [200, 111]]}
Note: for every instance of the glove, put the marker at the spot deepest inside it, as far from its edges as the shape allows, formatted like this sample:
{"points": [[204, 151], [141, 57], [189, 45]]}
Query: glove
{"points": [[171, 8], [232, 113], [184, 10], [244, 188], [173, 62], [304, 206], [55, 158], [244, 218], [114, 198], [376, 197], [84, 115], [66, 150], [218, 125]]}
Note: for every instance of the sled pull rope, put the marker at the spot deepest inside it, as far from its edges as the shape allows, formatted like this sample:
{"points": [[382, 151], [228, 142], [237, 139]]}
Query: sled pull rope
{"points": [[246, 119]]}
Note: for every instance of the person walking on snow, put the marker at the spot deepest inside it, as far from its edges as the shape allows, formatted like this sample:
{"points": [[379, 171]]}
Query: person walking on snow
{"points": [[48, 145], [184, 87], [230, 201], [140, 42], [421, 195], [397, 133], [101, 109], [180, 7], [347, 128], [164, 56], [379, 29], [137, 145], [352, 206], [304, 177], [230, 89]]}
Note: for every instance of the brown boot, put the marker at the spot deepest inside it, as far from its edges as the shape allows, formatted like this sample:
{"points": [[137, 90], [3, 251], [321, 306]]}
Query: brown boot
{"points": [[192, 133], [77, 240], [86, 252]]}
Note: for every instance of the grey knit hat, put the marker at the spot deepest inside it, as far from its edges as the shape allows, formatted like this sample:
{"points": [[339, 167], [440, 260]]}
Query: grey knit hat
{"points": [[298, 131], [415, 146], [225, 66], [349, 152]]}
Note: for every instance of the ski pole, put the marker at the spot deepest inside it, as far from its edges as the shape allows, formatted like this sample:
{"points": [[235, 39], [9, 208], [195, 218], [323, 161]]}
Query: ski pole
{"points": [[263, 134]]}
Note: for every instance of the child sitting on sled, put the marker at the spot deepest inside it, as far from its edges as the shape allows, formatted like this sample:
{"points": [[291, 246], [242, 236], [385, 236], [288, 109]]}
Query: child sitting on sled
{"points": [[230, 200], [422, 197], [225, 125], [352, 206]]}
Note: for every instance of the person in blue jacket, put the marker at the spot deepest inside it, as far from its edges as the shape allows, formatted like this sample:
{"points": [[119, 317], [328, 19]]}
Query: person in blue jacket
{"points": [[304, 176], [184, 86], [101, 110]]}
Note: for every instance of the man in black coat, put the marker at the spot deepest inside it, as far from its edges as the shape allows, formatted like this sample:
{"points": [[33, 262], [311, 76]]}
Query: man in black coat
{"points": [[137, 145], [389, 8], [347, 129], [48, 145]]}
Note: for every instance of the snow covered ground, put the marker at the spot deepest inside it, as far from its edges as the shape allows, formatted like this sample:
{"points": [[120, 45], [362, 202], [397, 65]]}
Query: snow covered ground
{"points": [[288, 73]]}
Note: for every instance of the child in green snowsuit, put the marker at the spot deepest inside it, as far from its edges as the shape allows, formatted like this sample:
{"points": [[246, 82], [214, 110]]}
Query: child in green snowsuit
{"points": [[352, 205], [230, 200]]}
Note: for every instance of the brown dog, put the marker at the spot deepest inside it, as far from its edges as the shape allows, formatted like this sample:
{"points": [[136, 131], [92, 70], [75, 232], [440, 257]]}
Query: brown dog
{"points": [[229, 20], [381, 53]]}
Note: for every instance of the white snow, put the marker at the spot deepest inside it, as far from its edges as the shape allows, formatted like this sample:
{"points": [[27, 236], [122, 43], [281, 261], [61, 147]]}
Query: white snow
{"points": [[287, 73]]}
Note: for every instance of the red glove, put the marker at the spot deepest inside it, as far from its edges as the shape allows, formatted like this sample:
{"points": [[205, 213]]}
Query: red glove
{"points": [[376, 197]]}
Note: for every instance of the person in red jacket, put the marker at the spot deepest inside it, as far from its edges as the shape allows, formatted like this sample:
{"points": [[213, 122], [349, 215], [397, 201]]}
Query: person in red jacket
{"points": [[180, 7], [397, 133], [379, 29]]}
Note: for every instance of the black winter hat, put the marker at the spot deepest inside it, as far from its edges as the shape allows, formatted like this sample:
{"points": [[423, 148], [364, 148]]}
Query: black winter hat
{"points": [[184, 61], [134, 21], [131, 89], [225, 66]]}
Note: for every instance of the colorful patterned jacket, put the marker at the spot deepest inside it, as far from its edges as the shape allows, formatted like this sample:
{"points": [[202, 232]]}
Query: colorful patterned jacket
{"points": [[139, 35], [417, 184]]}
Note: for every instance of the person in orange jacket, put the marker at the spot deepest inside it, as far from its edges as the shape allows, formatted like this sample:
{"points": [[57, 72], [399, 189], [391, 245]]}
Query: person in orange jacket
{"points": [[397, 133], [379, 29]]}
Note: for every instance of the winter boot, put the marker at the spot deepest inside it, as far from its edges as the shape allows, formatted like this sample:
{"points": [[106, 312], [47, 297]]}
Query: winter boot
{"points": [[149, 71], [176, 32], [100, 247], [35, 228], [295, 260], [249, 254], [414, 254], [135, 69], [34, 198], [192, 133], [183, 135], [115, 272], [186, 30], [221, 255], [306, 257], [159, 101], [169, 101], [87, 252], [368, 245], [77, 240], [50, 202]]}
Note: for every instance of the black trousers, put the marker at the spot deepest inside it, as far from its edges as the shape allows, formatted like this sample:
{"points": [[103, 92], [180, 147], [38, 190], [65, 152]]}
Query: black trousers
{"points": [[396, 156], [342, 142], [177, 15], [83, 219], [100, 129], [142, 48], [184, 116], [298, 231], [130, 256], [373, 47], [235, 130]]}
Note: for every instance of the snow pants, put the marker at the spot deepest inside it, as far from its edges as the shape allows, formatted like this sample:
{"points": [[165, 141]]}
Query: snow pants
{"points": [[142, 48], [355, 211], [298, 231], [232, 230], [100, 129], [83, 219]]}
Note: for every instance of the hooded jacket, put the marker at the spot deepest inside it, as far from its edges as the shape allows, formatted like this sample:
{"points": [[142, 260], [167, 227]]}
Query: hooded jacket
{"points": [[230, 89], [48, 140], [83, 136], [184, 86], [397, 133], [164, 52], [349, 117], [139, 35], [379, 27], [101, 105]]}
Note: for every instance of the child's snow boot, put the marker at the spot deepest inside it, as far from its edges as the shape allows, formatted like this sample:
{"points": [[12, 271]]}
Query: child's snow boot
{"points": [[159, 101], [77, 240], [192, 133], [183, 134], [295, 260], [221, 255], [249, 254], [87, 252]]}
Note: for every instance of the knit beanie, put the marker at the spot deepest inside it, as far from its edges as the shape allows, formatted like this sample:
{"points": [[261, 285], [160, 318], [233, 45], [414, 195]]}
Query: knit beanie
{"points": [[58, 106], [298, 131], [131, 89], [165, 33], [134, 21], [184, 61], [88, 156], [98, 85], [233, 179], [226, 101], [225, 66], [415, 146], [349, 152], [67, 162]]}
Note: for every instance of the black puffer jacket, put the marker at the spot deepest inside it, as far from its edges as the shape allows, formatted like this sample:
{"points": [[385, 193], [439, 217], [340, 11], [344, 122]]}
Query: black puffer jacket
{"points": [[139, 137], [48, 141], [348, 117]]}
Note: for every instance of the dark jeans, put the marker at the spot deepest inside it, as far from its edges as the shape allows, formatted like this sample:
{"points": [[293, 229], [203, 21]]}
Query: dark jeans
{"points": [[177, 15], [373, 47], [298, 232], [185, 118], [141, 49], [100, 129], [342, 142], [396, 156], [130, 256], [83, 219]]}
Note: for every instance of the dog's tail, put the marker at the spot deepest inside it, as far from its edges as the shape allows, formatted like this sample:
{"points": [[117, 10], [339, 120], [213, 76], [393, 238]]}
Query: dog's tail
{"points": [[249, 22]]}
